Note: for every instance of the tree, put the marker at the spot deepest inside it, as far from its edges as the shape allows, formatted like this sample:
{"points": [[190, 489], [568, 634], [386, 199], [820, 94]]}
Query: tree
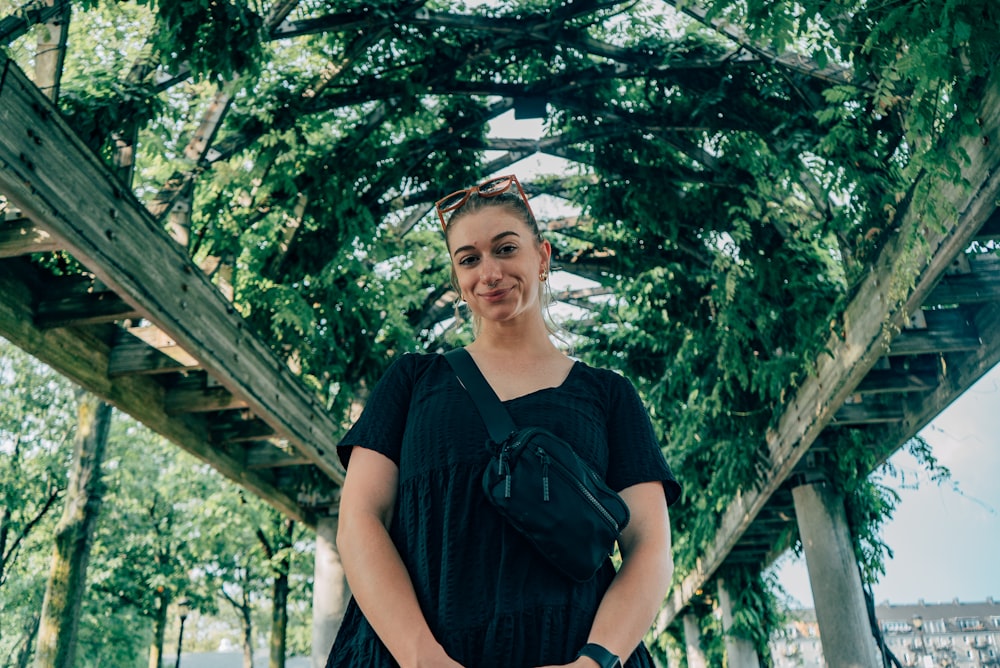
{"points": [[34, 406], [60, 618], [251, 564], [278, 546], [36, 422]]}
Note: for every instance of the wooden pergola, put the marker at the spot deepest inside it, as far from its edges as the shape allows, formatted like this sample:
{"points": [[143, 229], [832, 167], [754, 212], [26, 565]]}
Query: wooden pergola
{"points": [[148, 331]]}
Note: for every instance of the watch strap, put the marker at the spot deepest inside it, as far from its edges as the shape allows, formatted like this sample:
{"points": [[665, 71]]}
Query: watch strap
{"points": [[603, 657]]}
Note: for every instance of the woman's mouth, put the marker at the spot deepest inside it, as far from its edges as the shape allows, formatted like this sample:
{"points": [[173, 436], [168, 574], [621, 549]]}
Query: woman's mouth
{"points": [[494, 295]]}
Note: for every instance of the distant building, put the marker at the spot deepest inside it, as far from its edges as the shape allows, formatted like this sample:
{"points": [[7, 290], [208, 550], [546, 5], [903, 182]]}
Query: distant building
{"points": [[927, 635]]}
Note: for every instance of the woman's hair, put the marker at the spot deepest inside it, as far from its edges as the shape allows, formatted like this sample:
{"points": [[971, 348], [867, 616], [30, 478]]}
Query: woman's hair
{"points": [[512, 202], [509, 200]]}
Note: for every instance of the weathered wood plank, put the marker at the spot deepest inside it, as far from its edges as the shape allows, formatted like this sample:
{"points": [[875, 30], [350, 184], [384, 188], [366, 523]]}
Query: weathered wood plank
{"points": [[959, 372], [50, 175], [157, 338], [880, 308], [132, 355], [889, 381], [22, 237], [268, 456], [186, 399], [237, 431], [85, 309], [947, 331], [978, 286], [867, 412], [29, 14]]}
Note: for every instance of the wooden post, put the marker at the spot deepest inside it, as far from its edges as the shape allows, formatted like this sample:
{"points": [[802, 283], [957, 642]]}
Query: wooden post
{"points": [[841, 612], [692, 642], [740, 652], [330, 591]]}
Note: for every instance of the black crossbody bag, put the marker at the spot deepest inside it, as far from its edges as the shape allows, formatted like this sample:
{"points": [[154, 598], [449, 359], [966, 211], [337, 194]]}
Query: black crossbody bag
{"points": [[542, 487]]}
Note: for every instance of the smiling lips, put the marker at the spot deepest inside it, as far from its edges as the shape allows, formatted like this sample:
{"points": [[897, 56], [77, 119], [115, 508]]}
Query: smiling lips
{"points": [[494, 295]]}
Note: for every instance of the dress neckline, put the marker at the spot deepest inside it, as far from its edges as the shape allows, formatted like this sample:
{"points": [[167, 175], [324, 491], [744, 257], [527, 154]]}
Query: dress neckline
{"points": [[569, 374]]}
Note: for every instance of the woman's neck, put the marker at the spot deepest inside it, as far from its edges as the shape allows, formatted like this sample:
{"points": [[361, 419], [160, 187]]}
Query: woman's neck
{"points": [[522, 338]]}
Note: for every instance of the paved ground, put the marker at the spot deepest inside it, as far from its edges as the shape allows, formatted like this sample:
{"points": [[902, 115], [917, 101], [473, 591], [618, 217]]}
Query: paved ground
{"points": [[226, 660]]}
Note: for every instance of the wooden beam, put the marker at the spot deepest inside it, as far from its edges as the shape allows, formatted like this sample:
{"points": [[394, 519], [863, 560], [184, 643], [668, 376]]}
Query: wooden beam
{"points": [[264, 455], [44, 168], [868, 412], [132, 355], [18, 23], [980, 285], [239, 430], [899, 282], [891, 381], [156, 338], [85, 309], [21, 237], [947, 331], [193, 399]]}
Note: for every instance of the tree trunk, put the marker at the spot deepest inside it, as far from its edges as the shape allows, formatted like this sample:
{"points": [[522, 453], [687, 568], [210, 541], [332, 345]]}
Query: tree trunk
{"points": [[4, 531], [247, 635], [159, 631], [279, 604], [24, 653], [51, 52], [60, 618], [279, 616]]}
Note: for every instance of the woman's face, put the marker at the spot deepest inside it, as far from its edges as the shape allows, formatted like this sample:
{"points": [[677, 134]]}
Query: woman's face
{"points": [[497, 262]]}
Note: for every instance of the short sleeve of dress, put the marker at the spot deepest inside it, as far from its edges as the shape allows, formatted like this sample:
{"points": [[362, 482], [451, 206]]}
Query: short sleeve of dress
{"points": [[635, 454], [383, 420]]}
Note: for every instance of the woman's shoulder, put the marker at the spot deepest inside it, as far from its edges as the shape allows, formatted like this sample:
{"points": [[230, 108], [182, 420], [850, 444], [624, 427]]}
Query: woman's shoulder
{"points": [[407, 367], [412, 364], [606, 378], [416, 360]]}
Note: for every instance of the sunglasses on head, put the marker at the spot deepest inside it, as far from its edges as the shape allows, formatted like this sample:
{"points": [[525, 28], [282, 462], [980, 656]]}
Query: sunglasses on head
{"points": [[489, 188]]}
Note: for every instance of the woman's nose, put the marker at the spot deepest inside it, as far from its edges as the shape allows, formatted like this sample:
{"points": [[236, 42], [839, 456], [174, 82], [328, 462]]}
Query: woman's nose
{"points": [[490, 270]]}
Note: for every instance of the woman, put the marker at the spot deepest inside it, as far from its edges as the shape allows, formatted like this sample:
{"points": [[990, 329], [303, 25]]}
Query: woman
{"points": [[438, 578]]}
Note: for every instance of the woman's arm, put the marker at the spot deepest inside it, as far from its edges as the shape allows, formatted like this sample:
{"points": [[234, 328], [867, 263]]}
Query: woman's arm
{"points": [[634, 598], [376, 573]]}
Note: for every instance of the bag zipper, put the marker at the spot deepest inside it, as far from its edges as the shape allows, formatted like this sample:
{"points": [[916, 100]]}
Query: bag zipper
{"points": [[503, 470], [545, 472], [590, 497]]}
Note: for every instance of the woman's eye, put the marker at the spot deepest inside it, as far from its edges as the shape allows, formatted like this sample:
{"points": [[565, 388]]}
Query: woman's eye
{"points": [[468, 259], [506, 249]]}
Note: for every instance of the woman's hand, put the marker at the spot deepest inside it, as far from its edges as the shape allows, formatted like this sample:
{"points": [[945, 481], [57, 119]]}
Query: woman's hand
{"points": [[430, 654], [444, 661]]}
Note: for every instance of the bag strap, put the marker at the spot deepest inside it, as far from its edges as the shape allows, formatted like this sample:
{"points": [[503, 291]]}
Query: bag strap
{"points": [[495, 415]]}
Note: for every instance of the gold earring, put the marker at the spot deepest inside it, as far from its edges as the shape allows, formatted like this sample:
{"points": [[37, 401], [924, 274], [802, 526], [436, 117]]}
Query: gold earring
{"points": [[543, 276]]}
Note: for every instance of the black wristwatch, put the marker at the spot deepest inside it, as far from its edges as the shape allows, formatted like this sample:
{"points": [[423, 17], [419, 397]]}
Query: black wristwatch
{"points": [[603, 657]]}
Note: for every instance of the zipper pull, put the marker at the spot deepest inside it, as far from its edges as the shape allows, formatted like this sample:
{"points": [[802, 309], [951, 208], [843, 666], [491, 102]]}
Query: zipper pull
{"points": [[545, 473], [504, 470]]}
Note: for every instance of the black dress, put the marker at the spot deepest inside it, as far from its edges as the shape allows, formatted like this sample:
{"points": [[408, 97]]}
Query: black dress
{"points": [[488, 598]]}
